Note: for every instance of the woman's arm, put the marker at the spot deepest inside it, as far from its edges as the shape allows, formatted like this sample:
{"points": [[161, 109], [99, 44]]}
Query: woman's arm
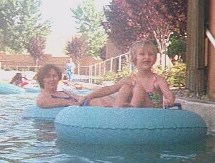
{"points": [[46, 101], [107, 90]]}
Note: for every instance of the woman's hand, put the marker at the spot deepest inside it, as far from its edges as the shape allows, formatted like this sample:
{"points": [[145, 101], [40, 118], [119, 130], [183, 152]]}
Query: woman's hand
{"points": [[82, 100]]}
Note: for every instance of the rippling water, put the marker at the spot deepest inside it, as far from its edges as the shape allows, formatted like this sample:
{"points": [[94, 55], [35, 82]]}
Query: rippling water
{"points": [[35, 141]]}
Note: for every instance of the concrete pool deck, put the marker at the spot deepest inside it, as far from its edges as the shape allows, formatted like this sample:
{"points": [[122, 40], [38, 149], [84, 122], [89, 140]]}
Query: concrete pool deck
{"points": [[205, 109]]}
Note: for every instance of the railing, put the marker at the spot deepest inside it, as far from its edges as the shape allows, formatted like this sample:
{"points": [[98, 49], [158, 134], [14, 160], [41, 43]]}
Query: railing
{"points": [[17, 68], [85, 73], [102, 68], [210, 37]]}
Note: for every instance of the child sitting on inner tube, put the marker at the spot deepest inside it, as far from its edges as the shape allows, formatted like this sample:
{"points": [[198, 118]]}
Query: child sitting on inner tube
{"points": [[142, 89]]}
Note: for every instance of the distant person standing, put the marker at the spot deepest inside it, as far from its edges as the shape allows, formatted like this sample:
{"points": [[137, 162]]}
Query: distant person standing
{"points": [[70, 67]]}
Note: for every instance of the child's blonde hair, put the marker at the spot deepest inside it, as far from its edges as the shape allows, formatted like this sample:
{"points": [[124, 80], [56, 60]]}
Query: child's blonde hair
{"points": [[144, 46]]}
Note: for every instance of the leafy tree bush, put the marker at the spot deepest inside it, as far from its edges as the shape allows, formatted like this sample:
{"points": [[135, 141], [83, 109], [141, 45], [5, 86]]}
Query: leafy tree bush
{"points": [[115, 76], [132, 20], [75, 49], [88, 23], [177, 47], [36, 48], [20, 21], [176, 75]]}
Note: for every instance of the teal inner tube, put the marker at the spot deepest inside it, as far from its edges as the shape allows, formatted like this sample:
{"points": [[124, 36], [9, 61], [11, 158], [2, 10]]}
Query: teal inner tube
{"points": [[41, 113], [107, 125], [6, 88]]}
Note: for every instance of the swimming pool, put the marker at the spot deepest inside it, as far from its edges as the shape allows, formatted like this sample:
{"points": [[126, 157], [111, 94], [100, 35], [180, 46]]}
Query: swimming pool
{"points": [[35, 141]]}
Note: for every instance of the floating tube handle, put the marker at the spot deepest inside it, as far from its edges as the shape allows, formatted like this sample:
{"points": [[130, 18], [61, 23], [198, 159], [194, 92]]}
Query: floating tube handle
{"points": [[175, 105], [85, 103]]}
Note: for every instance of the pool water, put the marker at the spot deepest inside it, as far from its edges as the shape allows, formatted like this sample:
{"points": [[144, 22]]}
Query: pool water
{"points": [[35, 141]]}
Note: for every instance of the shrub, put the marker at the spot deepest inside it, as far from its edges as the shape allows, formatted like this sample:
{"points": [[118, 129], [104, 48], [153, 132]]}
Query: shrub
{"points": [[176, 75]]}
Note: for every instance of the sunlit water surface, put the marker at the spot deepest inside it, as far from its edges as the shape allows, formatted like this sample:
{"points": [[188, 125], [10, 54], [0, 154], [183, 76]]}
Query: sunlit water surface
{"points": [[35, 141]]}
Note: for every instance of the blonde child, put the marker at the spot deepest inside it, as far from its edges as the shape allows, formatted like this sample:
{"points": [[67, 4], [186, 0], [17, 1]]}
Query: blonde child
{"points": [[143, 89]]}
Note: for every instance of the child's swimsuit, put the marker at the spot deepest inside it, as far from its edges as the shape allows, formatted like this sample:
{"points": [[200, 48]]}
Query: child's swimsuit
{"points": [[154, 96]]}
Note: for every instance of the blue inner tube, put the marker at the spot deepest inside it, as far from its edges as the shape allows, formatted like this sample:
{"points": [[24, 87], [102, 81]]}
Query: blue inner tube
{"points": [[41, 113], [6, 88], [32, 90], [102, 125]]}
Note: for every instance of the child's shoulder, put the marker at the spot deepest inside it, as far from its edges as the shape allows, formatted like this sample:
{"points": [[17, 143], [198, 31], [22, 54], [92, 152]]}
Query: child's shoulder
{"points": [[159, 76], [126, 80], [161, 79]]}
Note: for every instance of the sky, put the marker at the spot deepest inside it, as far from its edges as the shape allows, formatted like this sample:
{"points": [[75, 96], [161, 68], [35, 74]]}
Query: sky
{"points": [[59, 11], [62, 23]]}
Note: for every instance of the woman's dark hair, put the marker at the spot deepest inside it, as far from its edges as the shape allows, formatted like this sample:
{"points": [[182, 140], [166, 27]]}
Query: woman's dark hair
{"points": [[44, 71]]}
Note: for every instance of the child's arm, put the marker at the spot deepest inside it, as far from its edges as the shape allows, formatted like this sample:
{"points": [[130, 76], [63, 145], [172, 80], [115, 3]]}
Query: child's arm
{"points": [[169, 97]]}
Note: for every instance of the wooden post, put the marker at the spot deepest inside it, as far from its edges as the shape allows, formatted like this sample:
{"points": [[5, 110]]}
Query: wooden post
{"points": [[120, 63], [90, 74], [100, 68], [195, 47], [211, 51], [104, 68], [111, 65]]}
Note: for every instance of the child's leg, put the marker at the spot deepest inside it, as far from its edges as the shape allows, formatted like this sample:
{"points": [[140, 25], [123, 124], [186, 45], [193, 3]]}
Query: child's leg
{"points": [[123, 96], [140, 97]]}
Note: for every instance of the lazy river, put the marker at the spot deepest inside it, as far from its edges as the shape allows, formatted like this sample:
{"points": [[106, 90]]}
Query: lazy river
{"points": [[36, 141]]}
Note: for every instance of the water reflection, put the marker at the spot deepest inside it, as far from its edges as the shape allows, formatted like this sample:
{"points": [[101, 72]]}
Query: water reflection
{"points": [[132, 154]]}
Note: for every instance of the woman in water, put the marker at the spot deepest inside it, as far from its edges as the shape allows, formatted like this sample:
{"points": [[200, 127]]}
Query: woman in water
{"points": [[48, 78]]}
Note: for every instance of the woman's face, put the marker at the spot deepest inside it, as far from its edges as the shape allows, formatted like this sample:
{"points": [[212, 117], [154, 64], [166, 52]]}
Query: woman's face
{"points": [[51, 80]]}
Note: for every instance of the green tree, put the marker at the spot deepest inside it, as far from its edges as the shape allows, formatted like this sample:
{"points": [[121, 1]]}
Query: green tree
{"points": [[20, 21], [177, 47], [88, 23]]}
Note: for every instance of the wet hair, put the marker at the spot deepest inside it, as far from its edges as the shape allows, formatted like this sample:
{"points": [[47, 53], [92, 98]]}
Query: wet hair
{"points": [[44, 72], [144, 46]]}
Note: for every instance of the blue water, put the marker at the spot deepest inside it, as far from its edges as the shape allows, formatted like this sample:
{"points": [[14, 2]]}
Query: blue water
{"points": [[35, 141]]}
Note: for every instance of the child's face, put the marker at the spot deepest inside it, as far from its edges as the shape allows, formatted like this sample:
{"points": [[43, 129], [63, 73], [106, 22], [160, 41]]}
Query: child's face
{"points": [[145, 58]]}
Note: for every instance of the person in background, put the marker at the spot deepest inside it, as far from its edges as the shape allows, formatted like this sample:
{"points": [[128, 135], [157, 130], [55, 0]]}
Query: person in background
{"points": [[142, 89], [17, 80], [48, 78], [70, 67], [25, 81]]}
